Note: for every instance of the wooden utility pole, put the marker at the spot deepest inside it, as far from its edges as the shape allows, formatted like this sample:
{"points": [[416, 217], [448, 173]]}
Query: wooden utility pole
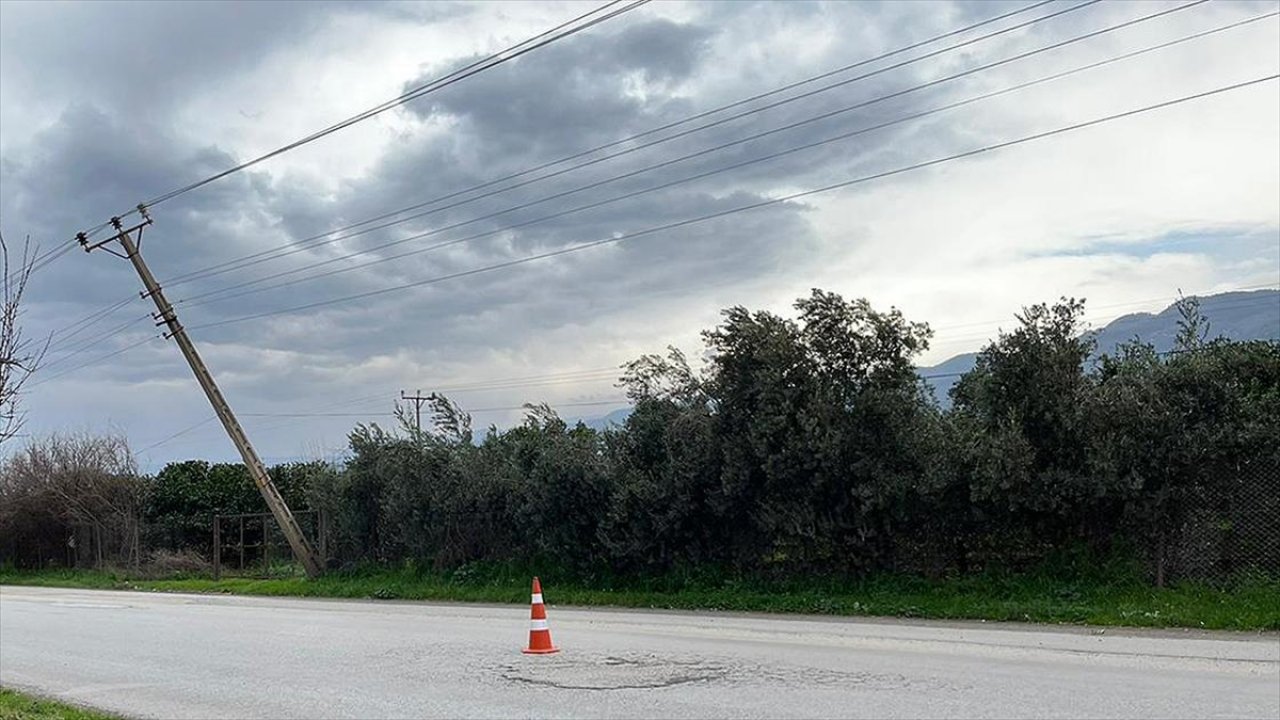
{"points": [[166, 316], [417, 399]]}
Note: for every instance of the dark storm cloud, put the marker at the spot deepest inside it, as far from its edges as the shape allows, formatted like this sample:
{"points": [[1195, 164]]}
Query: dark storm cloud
{"points": [[526, 114], [569, 95], [557, 101], [661, 50], [596, 100], [75, 173]]}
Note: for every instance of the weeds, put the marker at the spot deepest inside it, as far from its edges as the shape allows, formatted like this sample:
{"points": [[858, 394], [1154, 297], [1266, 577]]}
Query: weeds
{"points": [[1249, 604]]}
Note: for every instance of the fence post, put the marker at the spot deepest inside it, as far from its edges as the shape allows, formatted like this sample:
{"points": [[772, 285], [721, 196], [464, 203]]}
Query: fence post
{"points": [[322, 520], [217, 547], [1161, 551], [266, 548], [97, 537]]}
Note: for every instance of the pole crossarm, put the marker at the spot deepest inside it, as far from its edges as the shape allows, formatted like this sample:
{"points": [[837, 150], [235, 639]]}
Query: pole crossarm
{"points": [[417, 399]]}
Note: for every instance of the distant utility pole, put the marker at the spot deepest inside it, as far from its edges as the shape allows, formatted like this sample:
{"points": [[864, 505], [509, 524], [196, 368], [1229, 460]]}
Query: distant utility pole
{"points": [[165, 315], [417, 399]]}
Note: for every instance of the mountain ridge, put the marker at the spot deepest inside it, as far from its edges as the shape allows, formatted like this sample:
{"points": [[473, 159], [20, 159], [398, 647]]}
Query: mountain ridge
{"points": [[1237, 315]]}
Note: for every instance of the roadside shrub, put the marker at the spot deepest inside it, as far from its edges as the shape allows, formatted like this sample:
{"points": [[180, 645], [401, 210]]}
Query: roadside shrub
{"points": [[71, 500], [175, 563]]}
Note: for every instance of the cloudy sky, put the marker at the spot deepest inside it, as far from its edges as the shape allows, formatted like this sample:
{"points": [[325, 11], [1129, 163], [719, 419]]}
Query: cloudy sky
{"points": [[103, 105]]}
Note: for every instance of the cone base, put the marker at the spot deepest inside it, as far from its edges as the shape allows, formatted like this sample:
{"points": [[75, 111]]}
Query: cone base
{"points": [[546, 651]]}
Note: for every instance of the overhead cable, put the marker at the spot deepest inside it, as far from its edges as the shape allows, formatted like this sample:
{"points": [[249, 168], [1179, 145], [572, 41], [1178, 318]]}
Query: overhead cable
{"points": [[754, 206]]}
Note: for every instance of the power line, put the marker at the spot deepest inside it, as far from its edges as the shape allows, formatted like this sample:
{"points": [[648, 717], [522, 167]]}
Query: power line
{"points": [[97, 360], [89, 345], [612, 373], [313, 415], [228, 292], [508, 408], [503, 408], [1021, 85], [515, 51], [492, 384], [67, 332], [615, 372], [179, 434], [1249, 21], [752, 206], [291, 248], [92, 342], [44, 259], [543, 39], [497, 383], [593, 403], [578, 376]]}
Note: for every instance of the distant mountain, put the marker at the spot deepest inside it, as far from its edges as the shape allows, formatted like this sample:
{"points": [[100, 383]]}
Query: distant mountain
{"points": [[1236, 316], [944, 375], [617, 417]]}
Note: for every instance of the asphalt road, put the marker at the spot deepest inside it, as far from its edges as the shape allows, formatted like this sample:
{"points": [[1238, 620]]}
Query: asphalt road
{"points": [[190, 656]]}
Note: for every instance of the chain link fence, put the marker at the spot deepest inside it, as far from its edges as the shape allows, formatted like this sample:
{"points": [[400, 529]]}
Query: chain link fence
{"points": [[1229, 536]]}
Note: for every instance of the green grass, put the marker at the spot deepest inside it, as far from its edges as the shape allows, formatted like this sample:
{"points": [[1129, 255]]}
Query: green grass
{"points": [[1094, 599], [19, 706]]}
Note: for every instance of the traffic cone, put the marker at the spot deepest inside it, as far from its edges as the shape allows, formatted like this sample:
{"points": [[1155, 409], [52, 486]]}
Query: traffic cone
{"points": [[539, 635]]}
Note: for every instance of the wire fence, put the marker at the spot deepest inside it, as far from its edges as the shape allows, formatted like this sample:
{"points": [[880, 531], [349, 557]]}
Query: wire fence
{"points": [[251, 545], [1236, 533], [1229, 531]]}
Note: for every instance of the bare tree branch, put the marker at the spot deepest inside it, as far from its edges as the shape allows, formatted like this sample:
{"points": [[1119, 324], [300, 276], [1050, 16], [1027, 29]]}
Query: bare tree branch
{"points": [[19, 357]]}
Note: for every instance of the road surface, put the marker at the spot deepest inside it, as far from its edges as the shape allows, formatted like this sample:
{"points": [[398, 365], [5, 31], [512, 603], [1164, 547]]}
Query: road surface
{"points": [[193, 656]]}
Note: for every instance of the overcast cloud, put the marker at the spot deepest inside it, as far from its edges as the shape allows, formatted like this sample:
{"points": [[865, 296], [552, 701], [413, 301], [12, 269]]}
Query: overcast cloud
{"points": [[105, 104]]}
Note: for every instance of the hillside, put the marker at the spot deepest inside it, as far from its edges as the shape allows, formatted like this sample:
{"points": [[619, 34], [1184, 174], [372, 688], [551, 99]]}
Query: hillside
{"points": [[1251, 315]]}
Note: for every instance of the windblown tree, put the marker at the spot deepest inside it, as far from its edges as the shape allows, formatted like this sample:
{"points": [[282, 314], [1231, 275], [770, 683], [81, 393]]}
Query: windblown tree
{"points": [[1022, 413], [819, 420], [666, 462]]}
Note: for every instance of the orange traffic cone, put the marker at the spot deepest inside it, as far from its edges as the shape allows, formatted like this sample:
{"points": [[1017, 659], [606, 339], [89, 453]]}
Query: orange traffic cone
{"points": [[539, 635]]}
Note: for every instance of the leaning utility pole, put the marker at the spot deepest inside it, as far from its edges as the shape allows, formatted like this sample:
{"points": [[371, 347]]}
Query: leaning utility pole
{"points": [[166, 316], [417, 399]]}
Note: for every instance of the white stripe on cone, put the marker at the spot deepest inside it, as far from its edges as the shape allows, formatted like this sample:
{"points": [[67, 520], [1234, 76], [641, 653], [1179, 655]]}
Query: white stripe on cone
{"points": [[537, 598], [537, 625]]}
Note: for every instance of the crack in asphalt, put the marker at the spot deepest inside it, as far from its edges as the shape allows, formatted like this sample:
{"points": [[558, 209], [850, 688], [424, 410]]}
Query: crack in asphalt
{"points": [[614, 673], [671, 682]]}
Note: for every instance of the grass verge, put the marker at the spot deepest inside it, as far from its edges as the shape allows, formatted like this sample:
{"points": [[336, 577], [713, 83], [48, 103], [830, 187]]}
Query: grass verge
{"points": [[20, 706], [1249, 604]]}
